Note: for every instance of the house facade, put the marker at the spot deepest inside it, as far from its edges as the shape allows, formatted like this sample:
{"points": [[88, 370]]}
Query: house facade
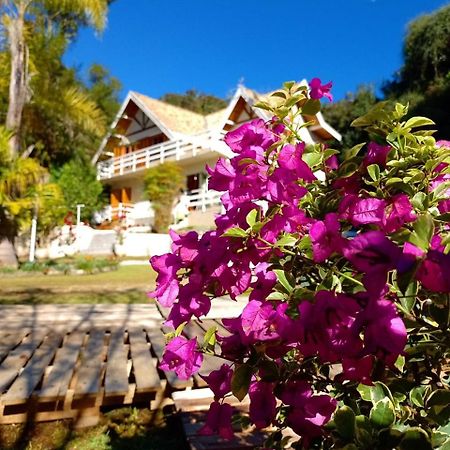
{"points": [[148, 132]]}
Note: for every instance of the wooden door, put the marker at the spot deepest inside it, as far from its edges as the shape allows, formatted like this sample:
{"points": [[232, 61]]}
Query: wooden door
{"points": [[116, 197], [126, 195]]}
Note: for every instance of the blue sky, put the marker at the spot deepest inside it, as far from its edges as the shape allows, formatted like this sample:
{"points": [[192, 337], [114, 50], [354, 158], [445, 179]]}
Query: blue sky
{"points": [[159, 46]]}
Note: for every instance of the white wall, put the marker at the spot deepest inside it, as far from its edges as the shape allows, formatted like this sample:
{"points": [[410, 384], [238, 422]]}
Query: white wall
{"points": [[143, 244]]}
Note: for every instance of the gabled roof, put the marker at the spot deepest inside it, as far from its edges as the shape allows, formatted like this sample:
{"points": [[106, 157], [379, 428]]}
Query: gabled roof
{"points": [[174, 118], [176, 122]]}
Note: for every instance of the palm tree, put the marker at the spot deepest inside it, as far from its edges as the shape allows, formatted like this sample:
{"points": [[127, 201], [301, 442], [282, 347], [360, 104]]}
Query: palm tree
{"points": [[17, 17], [75, 111], [16, 178]]}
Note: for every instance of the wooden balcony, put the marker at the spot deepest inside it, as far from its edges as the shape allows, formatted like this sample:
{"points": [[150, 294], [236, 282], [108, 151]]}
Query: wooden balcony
{"points": [[157, 154]]}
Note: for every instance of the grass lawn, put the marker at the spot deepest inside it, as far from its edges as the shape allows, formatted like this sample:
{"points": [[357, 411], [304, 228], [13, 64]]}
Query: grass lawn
{"points": [[120, 429], [127, 284]]}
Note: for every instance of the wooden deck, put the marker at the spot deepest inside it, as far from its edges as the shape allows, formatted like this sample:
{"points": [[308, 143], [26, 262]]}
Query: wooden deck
{"points": [[66, 361]]}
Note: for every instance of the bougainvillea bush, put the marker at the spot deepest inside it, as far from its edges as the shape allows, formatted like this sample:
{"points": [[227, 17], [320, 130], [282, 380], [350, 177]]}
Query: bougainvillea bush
{"points": [[344, 258]]}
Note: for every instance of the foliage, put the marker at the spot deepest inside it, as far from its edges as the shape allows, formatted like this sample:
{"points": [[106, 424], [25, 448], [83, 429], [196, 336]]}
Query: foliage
{"points": [[345, 336], [64, 118], [104, 91], [163, 185], [24, 190], [195, 101], [59, 117], [73, 175], [426, 53], [423, 81], [342, 113]]}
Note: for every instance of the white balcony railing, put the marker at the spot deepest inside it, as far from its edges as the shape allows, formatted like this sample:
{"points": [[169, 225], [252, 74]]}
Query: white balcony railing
{"points": [[203, 199], [157, 154], [141, 212]]}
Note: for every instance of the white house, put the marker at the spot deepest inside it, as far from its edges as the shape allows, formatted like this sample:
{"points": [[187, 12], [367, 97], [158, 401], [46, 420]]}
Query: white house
{"points": [[148, 132]]}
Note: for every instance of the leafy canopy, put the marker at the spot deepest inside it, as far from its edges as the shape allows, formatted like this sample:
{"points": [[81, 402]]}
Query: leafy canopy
{"points": [[163, 185]]}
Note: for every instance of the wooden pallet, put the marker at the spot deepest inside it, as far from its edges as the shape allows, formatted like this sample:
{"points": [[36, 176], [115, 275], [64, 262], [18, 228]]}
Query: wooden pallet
{"points": [[67, 361], [49, 375]]}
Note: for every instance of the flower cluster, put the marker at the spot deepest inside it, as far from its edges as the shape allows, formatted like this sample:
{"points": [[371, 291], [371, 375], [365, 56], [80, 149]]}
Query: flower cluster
{"points": [[332, 253]]}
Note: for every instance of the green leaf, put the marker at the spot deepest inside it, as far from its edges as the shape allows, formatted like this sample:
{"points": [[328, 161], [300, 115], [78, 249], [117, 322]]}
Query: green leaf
{"points": [[311, 107], [409, 299], [382, 414], [418, 121], [276, 296], [179, 329], [235, 232], [240, 382], [312, 159], [293, 100], [354, 151], [423, 231], [393, 180], [439, 438], [363, 431], [282, 279], [415, 439], [364, 392], [288, 84], [419, 200], [400, 363], [374, 393], [263, 105], [251, 217], [440, 397], [344, 418], [441, 191], [286, 241], [210, 337], [416, 396], [268, 371], [374, 172]]}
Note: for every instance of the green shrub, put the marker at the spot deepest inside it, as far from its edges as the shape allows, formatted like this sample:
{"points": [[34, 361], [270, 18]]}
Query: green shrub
{"points": [[163, 184]]}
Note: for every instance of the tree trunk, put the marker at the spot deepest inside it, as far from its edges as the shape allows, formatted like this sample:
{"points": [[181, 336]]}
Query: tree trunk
{"points": [[18, 86], [8, 256]]}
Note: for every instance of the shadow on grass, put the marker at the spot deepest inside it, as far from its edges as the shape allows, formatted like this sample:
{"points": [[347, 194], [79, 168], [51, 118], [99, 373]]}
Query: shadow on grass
{"points": [[37, 296], [119, 429]]}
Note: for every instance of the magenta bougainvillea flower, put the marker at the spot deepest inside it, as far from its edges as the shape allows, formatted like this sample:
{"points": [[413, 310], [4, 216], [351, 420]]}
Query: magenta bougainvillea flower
{"points": [[166, 266], [384, 330], [327, 261], [221, 176], [326, 327], [372, 251], [434, 272], [362, 211], [283, 187], [308, 412], [218, 421], [182, 357], [219, 381], [261, 321], [376, 154], [398, 212], [185, 246], [264, 282], [254, 133], [359, 369], [443, 143], [262, 403], [326, 238], [319, 90], [290, 158]]}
